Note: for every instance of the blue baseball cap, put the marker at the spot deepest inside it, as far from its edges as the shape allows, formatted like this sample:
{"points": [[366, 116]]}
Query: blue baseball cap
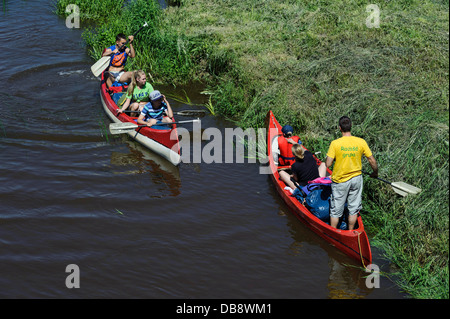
{"points": [[286, 129]]}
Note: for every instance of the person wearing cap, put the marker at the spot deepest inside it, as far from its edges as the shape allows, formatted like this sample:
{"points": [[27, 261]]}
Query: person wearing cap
{"points": [[347, 183], [285, 142], [304, 169], [155, 110]]}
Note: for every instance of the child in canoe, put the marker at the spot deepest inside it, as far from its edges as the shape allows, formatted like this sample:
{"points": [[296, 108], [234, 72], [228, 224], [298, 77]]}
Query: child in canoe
{"points": [[304, 169], [138, 93], [154, 111]]}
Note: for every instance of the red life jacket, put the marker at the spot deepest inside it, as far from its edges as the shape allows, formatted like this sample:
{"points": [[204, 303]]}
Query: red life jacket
{"points": [[286, 158]]}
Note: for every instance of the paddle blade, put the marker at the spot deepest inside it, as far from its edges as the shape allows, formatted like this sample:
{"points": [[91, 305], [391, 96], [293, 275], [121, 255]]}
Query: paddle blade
{"points": [[405, 188], [120, 128], [100, 65], [191, 113], [399, 191]]}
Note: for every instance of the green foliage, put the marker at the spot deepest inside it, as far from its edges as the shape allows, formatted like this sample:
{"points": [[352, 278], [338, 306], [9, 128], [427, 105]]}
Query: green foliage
{"points": [[94, 10], [165, 53]]}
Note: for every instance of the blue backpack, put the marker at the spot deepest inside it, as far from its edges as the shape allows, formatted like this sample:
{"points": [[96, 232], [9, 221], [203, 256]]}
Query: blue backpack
{"points": [[318, 203]]}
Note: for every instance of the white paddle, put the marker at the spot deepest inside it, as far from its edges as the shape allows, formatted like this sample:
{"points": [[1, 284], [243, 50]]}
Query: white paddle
{"points": [[400, 188], [125, 127], [183, 113], [103, 63]]}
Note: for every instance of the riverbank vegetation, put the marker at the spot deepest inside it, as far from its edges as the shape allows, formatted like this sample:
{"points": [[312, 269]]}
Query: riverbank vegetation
{"points": [[312, 61]]}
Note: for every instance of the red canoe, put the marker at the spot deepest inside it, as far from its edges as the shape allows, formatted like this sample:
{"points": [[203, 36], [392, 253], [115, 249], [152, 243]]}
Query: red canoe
{"points": [[354, 242], [163, 141]]}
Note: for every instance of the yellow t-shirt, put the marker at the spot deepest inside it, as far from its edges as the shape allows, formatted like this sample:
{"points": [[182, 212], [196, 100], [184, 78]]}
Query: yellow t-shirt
{"points": [[347, 152]]}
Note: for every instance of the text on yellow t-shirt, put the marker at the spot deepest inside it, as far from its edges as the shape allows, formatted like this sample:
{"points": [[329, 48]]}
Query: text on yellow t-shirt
{"points": [[347, 152]]}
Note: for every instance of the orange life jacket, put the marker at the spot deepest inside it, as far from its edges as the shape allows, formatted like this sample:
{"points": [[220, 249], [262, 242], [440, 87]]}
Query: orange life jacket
{"points": [[286, 158], [118, 59]]}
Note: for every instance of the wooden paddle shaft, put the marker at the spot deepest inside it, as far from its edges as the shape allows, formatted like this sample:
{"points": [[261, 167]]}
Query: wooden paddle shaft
{"points": [[131, 126], [387, 182], [171, 123]]}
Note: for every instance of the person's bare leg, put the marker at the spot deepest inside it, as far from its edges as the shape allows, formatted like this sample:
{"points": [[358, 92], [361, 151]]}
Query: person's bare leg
{"points": [[109, 80], [134, 107], [286, 178], [126, 77], [334, 222], [352, 221]]}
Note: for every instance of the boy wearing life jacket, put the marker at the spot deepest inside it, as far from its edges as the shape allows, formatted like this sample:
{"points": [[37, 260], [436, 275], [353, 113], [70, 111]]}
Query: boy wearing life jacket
{"points": [[285, 142], [119, 54], [154, 111]]}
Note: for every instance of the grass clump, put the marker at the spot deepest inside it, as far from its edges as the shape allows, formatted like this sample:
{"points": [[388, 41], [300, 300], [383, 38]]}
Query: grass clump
{"points": [[92, 11]]}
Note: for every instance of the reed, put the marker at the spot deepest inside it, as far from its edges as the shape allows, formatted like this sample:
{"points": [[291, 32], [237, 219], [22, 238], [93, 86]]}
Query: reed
{"points": [[180, 98], [210, 106], [103, 128]]}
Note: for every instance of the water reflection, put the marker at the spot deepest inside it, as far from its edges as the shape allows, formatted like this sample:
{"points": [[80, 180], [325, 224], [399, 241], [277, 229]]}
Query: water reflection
{"points": [[162, 174], [346, 282], [346, 277]]}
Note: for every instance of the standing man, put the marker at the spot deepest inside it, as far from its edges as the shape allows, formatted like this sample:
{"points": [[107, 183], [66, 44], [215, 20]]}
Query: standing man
{"points": [[119, 54], [347, 185]]}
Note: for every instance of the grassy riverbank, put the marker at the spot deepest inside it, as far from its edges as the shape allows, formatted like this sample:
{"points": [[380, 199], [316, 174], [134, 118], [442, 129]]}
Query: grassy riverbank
{"points": [[311, 62]]}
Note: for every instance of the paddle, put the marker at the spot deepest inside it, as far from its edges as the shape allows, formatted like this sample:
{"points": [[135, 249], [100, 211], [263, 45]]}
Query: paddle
{"points": [[120, 128], [103, 63], [400, 188], [183, 113]]}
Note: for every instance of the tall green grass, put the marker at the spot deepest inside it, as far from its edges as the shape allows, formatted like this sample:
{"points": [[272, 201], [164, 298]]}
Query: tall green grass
{"points": [[92, 11], [312, 61]]}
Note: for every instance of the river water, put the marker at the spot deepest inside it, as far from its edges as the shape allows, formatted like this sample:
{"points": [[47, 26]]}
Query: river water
{"points": [[135, 226]]}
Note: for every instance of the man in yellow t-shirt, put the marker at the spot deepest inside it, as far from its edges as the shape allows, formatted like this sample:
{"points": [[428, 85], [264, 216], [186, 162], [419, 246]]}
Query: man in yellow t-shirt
{"points": [[347, 185]]}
